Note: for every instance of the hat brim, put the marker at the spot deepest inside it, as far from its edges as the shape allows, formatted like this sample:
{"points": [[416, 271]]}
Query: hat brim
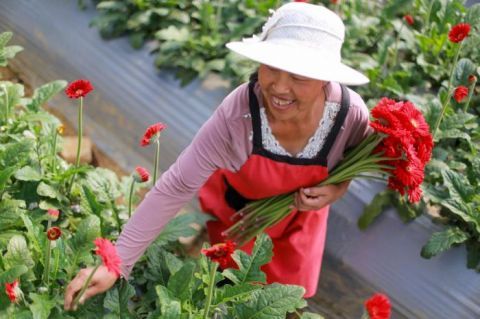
{"points": [[301, 61]]}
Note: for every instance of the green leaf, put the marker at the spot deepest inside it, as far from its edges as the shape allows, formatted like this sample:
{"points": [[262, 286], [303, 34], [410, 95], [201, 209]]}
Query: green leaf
{"points": [[376, 206], [14, 93], [5, 176], [458, 186], [160, 265], [116, 300], [44, 93], [82, 242], [43, 117], [229, 293], [441, 241], [11, 274], [272, 302], [15, 153], [173, 33], [4, 38], [169, 305], [46, 190], [41, 306], [10, 211], [94, 206], [28, 173], [18, 253], [34, 235], [464, 68], [180, 283], [104, 183], [180, 226], [451, 134], [249, 266]]}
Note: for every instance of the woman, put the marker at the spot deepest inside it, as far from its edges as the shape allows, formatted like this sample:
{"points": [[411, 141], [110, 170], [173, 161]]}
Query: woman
{"points": [[279, 133]]}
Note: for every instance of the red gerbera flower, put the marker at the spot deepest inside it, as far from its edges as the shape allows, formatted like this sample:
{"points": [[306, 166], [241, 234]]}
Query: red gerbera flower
{"points": [[107, 251], [53, 233], [221, 253], [459, 32], [152, 130], [378, 307], [460, 93], [13, 291], [141, 175], [78, 88], [414, 194], [408, 19]]}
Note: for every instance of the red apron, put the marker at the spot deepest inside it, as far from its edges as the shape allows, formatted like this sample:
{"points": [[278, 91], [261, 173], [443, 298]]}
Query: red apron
{"points": [[299, 239]]}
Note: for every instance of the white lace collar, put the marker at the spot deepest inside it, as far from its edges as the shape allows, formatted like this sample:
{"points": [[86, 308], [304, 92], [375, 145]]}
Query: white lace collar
{"points": [[315, 143]]}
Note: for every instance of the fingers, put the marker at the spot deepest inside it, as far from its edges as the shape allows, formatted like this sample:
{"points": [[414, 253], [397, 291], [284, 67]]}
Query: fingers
{"points": [[74, 287], [101, 281], [90, 292]]}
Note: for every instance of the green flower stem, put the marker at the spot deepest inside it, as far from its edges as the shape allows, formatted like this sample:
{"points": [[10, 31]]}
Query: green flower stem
{"points": [[85, 286], [470, 94], [7, 107], [47, 263], [79, 142], [449, 93], [157, 154], [130, 198], [395, 48], [54, 152], [211, 286], [117, 216]]}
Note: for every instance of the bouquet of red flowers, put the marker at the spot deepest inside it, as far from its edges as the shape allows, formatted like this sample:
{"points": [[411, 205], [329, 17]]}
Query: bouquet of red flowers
{"points": [[400, 147]]}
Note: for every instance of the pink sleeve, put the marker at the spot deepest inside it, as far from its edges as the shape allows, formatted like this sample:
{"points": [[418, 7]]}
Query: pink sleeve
{"points": [[209, 150]]}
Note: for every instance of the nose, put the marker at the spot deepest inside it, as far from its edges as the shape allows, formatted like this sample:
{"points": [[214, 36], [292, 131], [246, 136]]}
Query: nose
{"points": [[281, 84]]}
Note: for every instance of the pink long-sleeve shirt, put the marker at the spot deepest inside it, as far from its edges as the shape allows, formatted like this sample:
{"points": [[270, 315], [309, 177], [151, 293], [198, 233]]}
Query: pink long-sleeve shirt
{"points": [[222, 142]]}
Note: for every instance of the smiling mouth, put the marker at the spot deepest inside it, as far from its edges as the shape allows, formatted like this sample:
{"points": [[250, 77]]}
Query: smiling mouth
{"points": [[281, 103]]}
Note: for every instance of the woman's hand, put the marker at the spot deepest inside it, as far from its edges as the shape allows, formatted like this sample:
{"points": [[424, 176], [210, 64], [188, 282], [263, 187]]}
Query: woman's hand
{"points": [[101, 281], [315, 198]]}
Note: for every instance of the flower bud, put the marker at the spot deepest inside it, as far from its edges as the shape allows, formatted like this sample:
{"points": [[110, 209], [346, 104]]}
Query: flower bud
{"points": [[53, 214]]}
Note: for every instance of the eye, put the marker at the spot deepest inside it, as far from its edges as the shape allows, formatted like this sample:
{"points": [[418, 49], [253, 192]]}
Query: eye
{"points": [[300, 78]]}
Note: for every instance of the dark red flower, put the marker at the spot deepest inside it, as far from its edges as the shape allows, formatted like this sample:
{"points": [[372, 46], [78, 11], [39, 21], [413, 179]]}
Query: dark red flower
{"points": [[13, 291], [152, 130], [378, 307], [408, 19], [107, 251], [78, 88], [333, 1], [460, 93], [53, 233], [472, 79], [221, 253], [141, 175], [459, 32]]}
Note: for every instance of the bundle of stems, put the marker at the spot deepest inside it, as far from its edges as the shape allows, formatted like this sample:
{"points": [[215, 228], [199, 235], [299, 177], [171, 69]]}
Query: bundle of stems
{"points": [[261, 214]]}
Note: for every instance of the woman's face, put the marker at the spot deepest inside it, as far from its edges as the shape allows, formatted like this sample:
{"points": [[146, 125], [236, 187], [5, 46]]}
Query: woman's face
{"points": [[288, 96]]}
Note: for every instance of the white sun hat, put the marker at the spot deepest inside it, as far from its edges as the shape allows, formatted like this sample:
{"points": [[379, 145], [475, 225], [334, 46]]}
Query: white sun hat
{"points": [[303, 39]]}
